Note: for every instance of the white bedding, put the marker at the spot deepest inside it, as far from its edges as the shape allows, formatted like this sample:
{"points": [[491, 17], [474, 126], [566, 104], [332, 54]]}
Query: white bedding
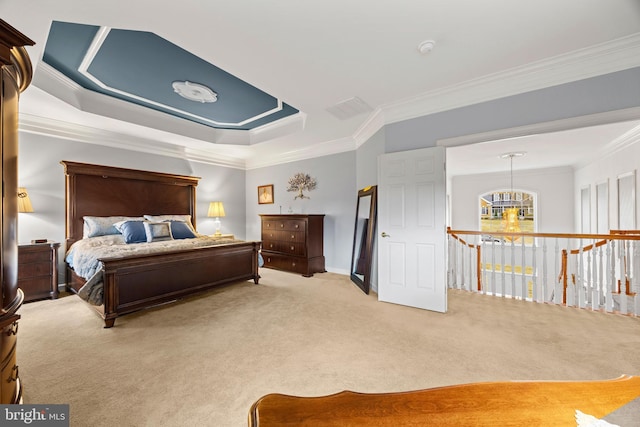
{"points": [[84, 257]]}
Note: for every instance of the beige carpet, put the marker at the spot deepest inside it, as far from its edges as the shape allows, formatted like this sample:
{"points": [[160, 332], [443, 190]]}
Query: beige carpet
{"points": [[205, 360]]}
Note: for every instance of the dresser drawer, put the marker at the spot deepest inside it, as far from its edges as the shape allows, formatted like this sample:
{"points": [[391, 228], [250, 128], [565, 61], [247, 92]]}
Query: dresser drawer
{"points": [[28, 257], [283, 236], [284, 224], [37, 287], [284, 262], [9, 386], [9, 337], [35, 269], [285, 248]]}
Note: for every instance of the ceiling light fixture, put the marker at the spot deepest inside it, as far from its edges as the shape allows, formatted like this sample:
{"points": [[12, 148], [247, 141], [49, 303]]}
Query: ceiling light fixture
{"points": [[194, 91], [426, 46], [511, 212]]}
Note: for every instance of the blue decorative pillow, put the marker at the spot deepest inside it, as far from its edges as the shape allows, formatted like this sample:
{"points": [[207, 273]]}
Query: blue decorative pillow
{"points": [[181, 230], [95, 226], [132, 231], [157, 231]]}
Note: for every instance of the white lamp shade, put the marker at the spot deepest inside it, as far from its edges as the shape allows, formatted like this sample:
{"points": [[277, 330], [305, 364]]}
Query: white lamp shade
{"points": [[216, 210]]}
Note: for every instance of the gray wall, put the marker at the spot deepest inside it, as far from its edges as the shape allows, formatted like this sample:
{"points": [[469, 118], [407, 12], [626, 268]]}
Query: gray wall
{"points": [[615, 91], [335, 197], [40, 172], [367, 160]]}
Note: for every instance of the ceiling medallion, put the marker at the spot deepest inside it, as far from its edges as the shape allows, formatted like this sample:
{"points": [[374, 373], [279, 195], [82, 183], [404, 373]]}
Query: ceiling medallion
{"points": [[194, 91]]}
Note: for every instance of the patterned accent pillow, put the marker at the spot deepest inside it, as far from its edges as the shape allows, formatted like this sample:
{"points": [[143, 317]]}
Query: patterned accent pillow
{"points": [[95, 226], [157, 231], [162, 218]]}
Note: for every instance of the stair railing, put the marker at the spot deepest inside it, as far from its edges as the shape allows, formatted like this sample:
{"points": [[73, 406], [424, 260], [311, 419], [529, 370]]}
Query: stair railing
{"points": [[595, 271]]}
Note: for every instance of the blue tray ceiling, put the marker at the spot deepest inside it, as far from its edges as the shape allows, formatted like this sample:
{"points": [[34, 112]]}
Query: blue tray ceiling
{"points": [[139, 67]]}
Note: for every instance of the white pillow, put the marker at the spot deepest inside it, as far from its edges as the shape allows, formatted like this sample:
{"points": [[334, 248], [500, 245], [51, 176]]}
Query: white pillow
{"points": [[95, 226]]}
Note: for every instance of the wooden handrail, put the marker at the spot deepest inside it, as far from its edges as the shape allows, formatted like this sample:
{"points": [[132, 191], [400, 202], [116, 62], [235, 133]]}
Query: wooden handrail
{"points": [[613, 236]]}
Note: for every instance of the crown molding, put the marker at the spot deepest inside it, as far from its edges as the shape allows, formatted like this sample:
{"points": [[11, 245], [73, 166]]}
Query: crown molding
{"points": [[373, 124], [321, 149], [623, 142], [616, 55], [284, 126], [38, 125]]}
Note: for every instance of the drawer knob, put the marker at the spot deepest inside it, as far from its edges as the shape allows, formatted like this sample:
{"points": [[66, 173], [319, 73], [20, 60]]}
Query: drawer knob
{"points": [[281, 225], [13, 330], [293, 236], [13, 378], [292, 247], [271, 245], [297, 225]]}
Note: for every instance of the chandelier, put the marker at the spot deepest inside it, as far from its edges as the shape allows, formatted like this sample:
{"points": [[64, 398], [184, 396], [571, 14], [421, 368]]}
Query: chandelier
{"points": [[511, 213]]}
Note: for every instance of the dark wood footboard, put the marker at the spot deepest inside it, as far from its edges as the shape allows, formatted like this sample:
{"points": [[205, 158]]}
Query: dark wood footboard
{"points": [[134, 283], [131, 284]]}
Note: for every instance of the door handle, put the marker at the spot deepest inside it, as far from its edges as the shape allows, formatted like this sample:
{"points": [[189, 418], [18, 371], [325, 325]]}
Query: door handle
{"points": [[385, 234]]}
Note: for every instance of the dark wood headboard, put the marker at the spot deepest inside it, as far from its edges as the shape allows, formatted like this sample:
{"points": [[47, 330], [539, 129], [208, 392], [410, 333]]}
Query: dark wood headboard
{"points": [[94, 190]]}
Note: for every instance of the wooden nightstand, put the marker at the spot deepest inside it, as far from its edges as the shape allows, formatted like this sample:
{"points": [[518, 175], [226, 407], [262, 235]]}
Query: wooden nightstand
{"points": [[38, 270], [223, 236]]}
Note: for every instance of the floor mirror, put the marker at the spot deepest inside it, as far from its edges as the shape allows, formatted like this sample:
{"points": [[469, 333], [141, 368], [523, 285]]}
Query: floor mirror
{"points": [[363, 237]]}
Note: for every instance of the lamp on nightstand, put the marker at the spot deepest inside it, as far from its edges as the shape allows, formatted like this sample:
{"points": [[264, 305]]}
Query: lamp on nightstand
{"points": [[24, 202], [216, 210]]}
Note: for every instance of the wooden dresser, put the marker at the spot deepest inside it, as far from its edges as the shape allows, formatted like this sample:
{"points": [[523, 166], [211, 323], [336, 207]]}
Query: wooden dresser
{"points": [[293, 243], [38, 270], [15, 76]]}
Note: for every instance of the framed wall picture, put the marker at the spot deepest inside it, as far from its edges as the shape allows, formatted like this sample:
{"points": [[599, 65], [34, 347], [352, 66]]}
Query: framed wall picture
{"points": [[265, 194]]}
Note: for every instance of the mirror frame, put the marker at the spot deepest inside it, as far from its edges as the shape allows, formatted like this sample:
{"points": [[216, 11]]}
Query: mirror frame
{"points": [[367, 241]]}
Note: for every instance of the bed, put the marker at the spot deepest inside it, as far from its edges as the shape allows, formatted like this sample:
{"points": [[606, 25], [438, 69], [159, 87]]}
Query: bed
{"points": [[143, 280], [510, 403]]}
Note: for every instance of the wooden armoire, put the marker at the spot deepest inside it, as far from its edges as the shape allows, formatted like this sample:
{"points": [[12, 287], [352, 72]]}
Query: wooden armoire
{"points": [[16, 73]]}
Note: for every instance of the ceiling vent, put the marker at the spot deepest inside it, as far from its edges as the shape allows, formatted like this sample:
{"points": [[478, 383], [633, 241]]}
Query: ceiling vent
{"points": [[350, 108]]}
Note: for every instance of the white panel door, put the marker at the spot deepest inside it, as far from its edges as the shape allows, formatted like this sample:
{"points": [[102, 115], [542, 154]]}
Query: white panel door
{"points": [[411, 229]]}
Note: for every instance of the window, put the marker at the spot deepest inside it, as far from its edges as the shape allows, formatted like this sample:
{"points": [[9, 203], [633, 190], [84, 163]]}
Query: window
{"points": [[494, 205]]}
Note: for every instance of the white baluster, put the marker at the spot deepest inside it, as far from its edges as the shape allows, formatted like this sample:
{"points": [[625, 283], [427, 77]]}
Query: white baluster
{"points": [[611, 274], [534, 274], [580, 277], [588, 285], [557, 280], [597, 291], [501, 278], [623, 276], [635, 284], [545, 272]]}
